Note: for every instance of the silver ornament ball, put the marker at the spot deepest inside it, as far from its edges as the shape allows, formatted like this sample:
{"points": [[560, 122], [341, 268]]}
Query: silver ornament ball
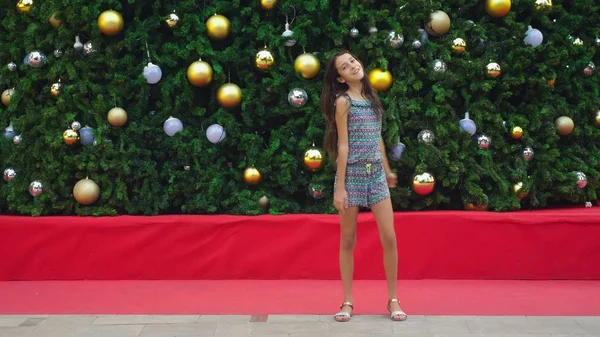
{"points": [[18, 139], [395, 40], [439, 66], [483, 142], [354, 32], [36, 188], [76, 126], [581, 179], [373, 30], [12, 66], [58, 53], [528, 153], [88, 49], [597, 41], [297, 97], [9, 174], [417, 44], [426, 136]]}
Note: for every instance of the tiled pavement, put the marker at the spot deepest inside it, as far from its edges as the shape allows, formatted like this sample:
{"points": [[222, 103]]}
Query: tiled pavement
{"points": [[295, 326]]}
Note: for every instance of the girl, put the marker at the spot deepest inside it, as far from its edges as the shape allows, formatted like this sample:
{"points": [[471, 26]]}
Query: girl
{"points": [[353, 115]]}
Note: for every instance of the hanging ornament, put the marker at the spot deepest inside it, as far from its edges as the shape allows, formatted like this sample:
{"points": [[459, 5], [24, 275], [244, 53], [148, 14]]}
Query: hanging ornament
{"points": [[268, 4], [54, 21], [35, 59], [533, 37], [577, 42], [519, 191], [314, 159], [589, 70], [56, 89], [218, 27], [70, 137], [416, 44], [252, 176], [543, 5], [110, 22], [24, 6], [200, 73], [229, 95], [307, 65], [424, 183], [12, 66], [439, 66], [172, 126], [551, 82], [381, 80], [10, 174], [516, 132], [86, 136], [172, 20], [438, 24], [597, 41], [317, 191], [470, 206], [396, 152], [564, 125], [86, 191], [18, 139], [6, 96], [468, 125], [215, 133], [9, 132], [373, 30], [395, 40], [288, 36], [88, 48], [528, 153], [117, 116], [263, 201], [264, 59], [426, 137], [354, 32], [484, 142], [459, 45], [36, 188], [152, 73], [597, 118], [76, 125], [77, 45], [493, 69], [497, 8], [297, 97], [581, 179]]}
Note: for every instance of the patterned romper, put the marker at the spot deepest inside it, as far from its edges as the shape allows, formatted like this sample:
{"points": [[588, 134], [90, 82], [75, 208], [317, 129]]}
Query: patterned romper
{"points": [[366, 183]]}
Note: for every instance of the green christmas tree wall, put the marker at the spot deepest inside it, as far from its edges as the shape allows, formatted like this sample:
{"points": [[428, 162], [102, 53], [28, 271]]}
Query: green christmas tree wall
{"points": [[141, 170]]}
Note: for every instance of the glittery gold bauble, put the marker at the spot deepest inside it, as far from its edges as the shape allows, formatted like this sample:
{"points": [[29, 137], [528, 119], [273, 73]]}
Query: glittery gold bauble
{"points": [[314, 159], [70, 137], [172, 20], [519, 191], [307, 65], [56, 89], [597, 118], [438, 24], [543, 5], [218, 27], [24, 6], [252, 176], [264, 59], [117, 117], [423, 184], [110, 22], [263, 201], [497, 8], [459, 45], [516, 132], [54, 22], [229, 95], [268, 4], [493, 69], [564, 125], [86, 191], [200, 73], [381, 80], [6, 95]]}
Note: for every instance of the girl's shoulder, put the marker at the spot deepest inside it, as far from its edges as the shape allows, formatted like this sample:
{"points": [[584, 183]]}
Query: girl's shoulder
{"points": [[343, 99]]}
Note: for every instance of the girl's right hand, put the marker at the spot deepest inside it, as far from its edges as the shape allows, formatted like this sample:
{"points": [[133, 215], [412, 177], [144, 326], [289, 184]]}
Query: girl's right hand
{"points": [[340, 200]]}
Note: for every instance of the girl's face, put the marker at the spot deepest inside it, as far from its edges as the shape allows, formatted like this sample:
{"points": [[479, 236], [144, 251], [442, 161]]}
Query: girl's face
{"points": [[349, 69]]}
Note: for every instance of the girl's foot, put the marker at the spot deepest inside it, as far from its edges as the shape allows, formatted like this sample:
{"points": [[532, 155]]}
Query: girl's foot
{"points": [[346, 312], [396, 313]]}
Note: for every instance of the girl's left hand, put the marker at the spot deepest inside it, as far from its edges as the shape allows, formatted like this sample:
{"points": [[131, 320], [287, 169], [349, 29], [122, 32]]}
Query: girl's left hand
{"points": [[392, 179]]}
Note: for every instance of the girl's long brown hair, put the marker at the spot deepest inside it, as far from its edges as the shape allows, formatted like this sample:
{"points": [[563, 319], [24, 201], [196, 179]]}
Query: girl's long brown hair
{"points": [[332, 89]]}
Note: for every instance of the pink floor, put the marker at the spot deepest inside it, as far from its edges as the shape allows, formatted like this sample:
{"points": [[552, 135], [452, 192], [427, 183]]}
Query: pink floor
{"points": [[419, 297]]}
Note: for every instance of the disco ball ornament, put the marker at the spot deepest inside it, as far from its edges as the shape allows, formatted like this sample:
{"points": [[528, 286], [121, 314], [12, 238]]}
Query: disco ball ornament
{"points": [[12, 66], [316, 191], [354, 32], [297, 97], [35, 59], [528, 153], [426, 136], [36, 188], [75, 126], [88, 48], [581, 179], [10, 174], [18, 139], [395, 40], [484, 142], [423, 184], [439, 66], [152, 73]]}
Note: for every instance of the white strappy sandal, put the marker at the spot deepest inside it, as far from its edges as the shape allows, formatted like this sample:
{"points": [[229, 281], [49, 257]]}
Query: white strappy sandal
{"points": [[343, 316], [397, 315]]}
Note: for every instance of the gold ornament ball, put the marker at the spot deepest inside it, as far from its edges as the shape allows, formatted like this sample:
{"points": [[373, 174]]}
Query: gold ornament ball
{"points": [[381, 80], [200, 73], [6, 95], [263, 201], [264, 59], [218, 27], [268, 4], [70, 137], [564, 125], [459, 45], [423, 184], [54, 22], [516, 132], [117, 117], [229, 95], [172, 20], [307, 65], [110, 22], [497, 8], [519, 191], [597, 118], [314, 159], [543, 5], [24, 6], [252, 176], [494, 69], [438, 24], [86, 191], [56, 89]]}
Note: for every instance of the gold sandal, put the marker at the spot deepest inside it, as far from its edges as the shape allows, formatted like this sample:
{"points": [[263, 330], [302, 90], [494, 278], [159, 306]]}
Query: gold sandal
{"points": [[344, 316], [397, 315]]}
